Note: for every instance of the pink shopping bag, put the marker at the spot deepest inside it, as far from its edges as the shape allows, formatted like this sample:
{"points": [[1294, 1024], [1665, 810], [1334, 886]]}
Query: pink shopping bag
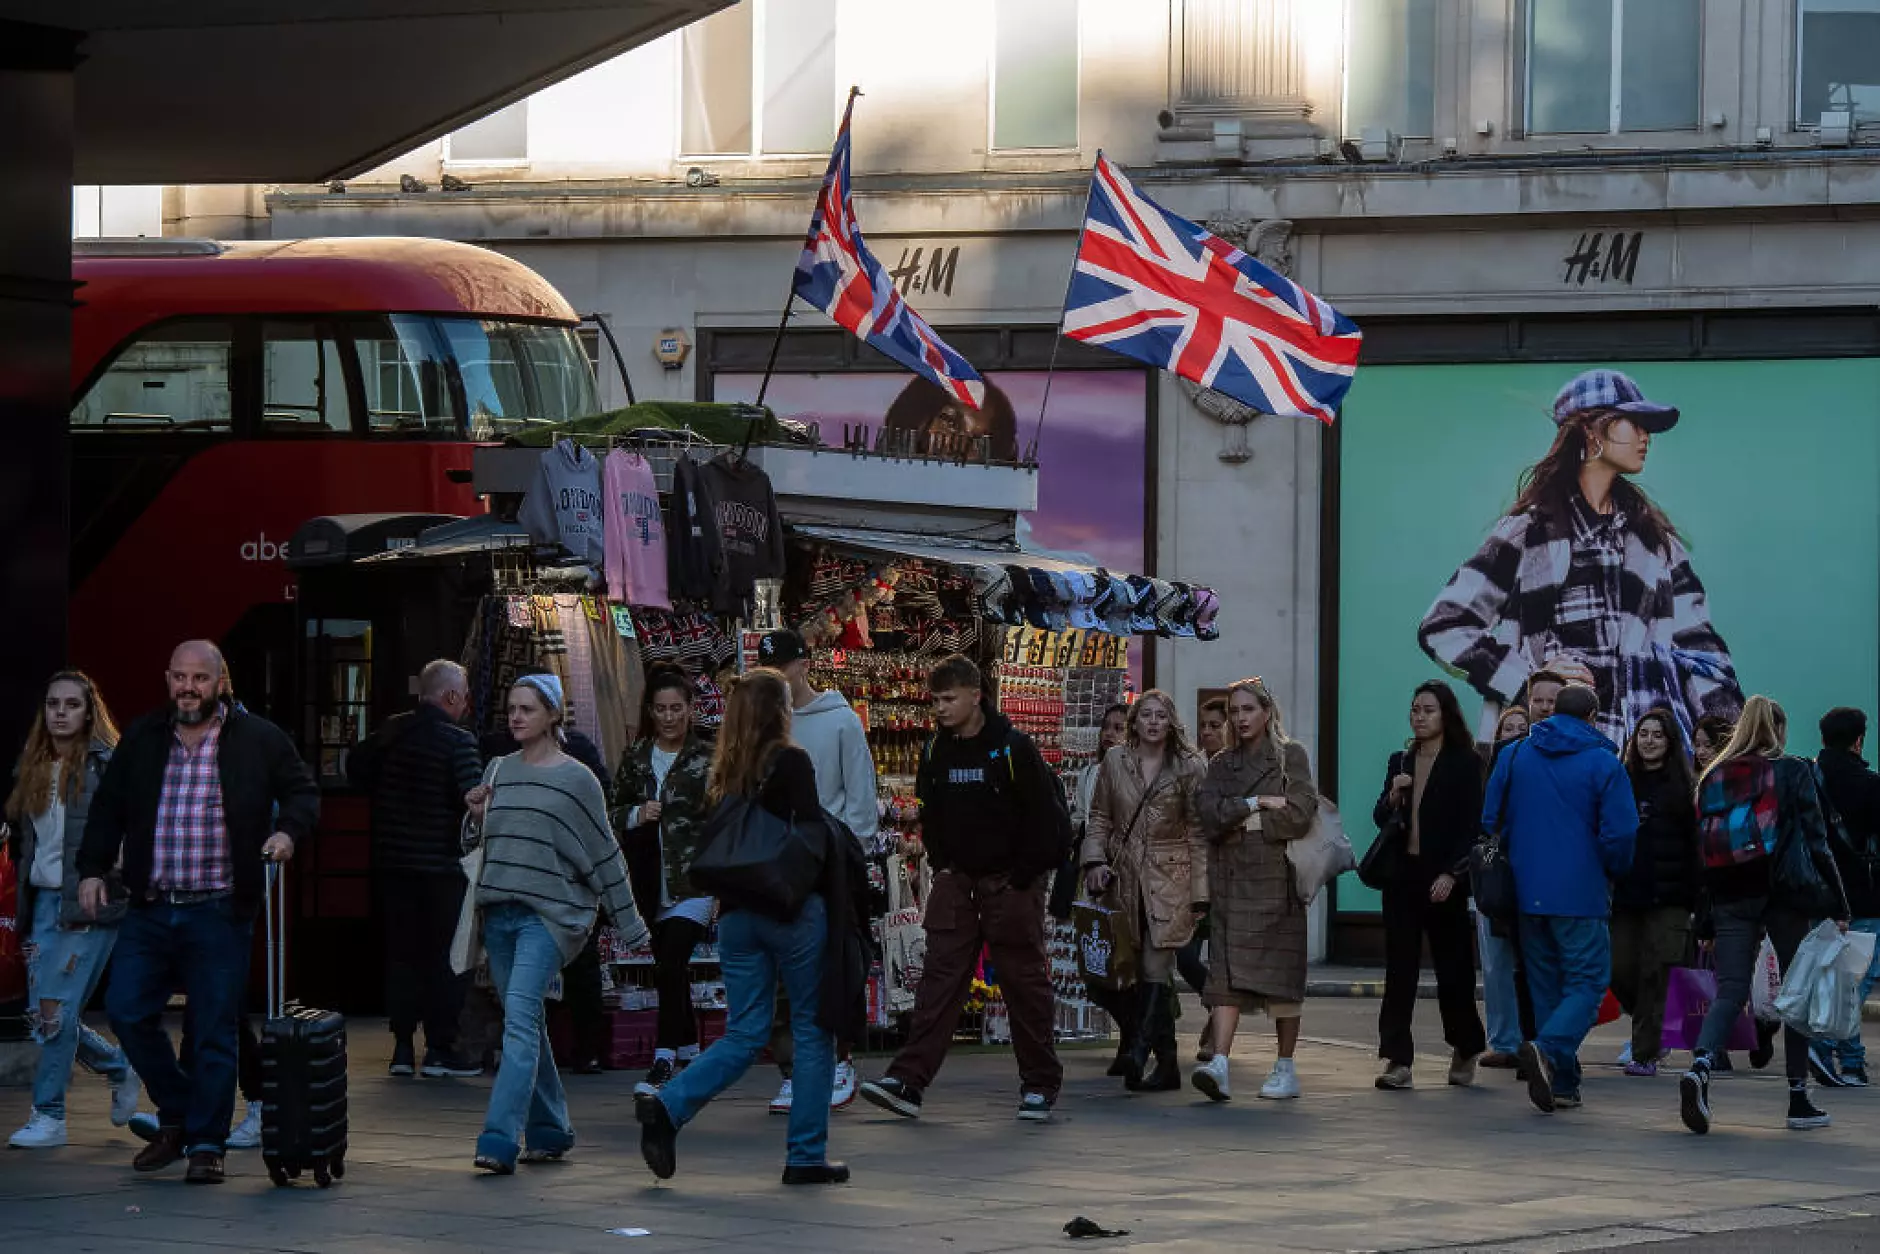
{"points": [[1687, 1001]]}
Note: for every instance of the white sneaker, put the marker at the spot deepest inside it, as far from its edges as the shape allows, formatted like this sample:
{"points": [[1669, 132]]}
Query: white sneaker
{"points": [[1282, 1084], [42, 1131], [124, 1099], [780, 1104], [1211, 1078], [247, 1133], [843, 1093]]}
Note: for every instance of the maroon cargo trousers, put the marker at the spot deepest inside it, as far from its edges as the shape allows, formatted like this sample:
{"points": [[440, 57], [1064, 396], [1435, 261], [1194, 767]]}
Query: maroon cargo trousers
{"points": [[963, 913]]}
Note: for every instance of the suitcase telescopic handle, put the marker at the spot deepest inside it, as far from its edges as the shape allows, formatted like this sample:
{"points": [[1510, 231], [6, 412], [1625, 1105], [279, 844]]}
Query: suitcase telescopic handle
{"points": [[275, 908]]}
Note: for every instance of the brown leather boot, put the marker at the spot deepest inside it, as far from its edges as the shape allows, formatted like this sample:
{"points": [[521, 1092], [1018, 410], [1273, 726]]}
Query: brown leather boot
{"points": [[165, 1149]]}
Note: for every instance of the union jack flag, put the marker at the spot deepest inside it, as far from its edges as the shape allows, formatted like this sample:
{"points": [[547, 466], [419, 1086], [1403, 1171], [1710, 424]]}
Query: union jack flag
{"points": [[1165, 291], [838, 275]]}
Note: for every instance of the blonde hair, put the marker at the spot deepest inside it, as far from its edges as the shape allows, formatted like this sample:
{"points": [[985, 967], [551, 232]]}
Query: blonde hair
{"points": [[32, 787], [1276, 718], [756, 726], [1179, 745], [1763, 729]]}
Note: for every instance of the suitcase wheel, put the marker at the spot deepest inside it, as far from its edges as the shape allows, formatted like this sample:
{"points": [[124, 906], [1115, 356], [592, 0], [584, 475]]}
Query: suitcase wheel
{"points": [[321, 1178], [279, 1176], [339, 1168]]}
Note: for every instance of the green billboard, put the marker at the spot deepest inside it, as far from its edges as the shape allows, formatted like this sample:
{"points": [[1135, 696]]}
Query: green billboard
{"points": [[1771, 478]]}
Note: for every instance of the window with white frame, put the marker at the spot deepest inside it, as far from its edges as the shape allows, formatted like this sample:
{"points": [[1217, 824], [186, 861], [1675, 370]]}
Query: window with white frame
{"points": [[1837, 60], [760, 77], [1606, 66], [1390, 66], [502, 136], [1034, 74]]}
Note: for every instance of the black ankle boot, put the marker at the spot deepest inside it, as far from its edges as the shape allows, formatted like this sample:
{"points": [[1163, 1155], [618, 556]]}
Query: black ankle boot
{"points": [[1154, 1008], [1124, 1010]]}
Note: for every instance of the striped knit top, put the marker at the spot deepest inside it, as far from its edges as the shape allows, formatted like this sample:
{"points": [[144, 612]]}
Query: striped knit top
{"points": [[547, 845]]}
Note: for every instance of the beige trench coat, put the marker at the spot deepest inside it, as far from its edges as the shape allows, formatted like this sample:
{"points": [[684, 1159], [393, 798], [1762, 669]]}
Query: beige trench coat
{"points": [[1161, 863], [1258, 942]]}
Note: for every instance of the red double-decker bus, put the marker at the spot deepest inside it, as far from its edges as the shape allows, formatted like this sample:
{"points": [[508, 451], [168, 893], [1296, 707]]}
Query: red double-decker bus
{"points": [[225, 393]]}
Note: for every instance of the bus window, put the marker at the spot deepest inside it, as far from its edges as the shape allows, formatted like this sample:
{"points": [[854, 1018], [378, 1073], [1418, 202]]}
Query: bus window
{"points": [[303, 384], [172, 378], [406, 386], [519, 374]]}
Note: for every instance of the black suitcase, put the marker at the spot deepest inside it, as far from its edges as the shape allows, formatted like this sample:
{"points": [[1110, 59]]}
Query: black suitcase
{"points": [[303, 1071]]}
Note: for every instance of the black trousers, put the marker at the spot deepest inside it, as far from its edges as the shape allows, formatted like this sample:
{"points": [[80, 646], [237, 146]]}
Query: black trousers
{"points": [[1409, 916], [581, 993], [673, 942], [420, 912]]}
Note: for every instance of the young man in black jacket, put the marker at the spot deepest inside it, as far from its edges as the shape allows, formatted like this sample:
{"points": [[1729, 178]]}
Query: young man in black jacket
{"points": [[1854, 792], [995, 823], [417, 768], [196, 800]]}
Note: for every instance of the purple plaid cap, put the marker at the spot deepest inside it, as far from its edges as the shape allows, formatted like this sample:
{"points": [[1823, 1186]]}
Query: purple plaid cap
{"points": [[1608, 389]]}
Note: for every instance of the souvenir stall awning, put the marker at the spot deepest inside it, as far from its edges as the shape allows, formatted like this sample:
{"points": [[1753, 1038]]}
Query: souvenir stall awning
{"points": [[1052, 592]]}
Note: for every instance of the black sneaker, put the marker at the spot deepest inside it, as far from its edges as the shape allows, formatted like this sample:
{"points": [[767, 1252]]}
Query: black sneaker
{"points": [[1034, 1108], [1540, 1077], [896, 1096], [659, 1139], [404, 1058], [446, 1064], [657, 1077], [1694, 1098], [1804, 1115]]}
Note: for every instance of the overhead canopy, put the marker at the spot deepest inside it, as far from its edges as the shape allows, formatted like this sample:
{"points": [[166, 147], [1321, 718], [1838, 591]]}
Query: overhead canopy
{"points": [[205, 91], [942, 549]]}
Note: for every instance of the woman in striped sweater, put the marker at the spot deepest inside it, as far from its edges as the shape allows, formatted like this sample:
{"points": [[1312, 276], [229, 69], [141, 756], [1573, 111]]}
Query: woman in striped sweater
{"points": [[549, 860]]}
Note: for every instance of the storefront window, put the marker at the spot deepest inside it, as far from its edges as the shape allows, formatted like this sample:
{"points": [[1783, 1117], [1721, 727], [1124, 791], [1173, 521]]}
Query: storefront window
{"points": [[502, 136], [1605, 66], [1390, 66], [1034, 74], [760, 77], [1838, 60]]}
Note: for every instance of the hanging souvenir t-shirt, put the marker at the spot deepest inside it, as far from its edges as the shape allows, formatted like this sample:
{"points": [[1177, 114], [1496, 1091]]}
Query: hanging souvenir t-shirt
{"points": [[695, 561], [748, 528], [564, 503], [635, 534]]}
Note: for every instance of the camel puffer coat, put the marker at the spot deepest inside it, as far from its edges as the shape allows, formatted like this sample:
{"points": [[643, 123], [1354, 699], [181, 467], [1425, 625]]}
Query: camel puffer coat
{"points": [[1258, 944], [1161, 860]]}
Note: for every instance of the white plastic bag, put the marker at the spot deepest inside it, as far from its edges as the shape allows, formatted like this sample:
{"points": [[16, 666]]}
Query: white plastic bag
{"points": [[1820, 995], [1764, 981]]}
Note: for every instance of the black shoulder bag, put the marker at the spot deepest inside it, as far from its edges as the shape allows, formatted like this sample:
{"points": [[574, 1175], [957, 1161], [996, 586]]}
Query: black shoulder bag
{"points": [[1384, 859]]}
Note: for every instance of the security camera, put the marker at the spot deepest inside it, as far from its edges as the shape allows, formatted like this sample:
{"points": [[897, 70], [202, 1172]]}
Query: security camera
{"points": [[698, 177]]}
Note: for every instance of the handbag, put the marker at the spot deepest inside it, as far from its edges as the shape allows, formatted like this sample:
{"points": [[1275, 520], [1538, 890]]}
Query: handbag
{"points": [[904, 933], [1381, 863], [1491, 874], [1321, 855], [753, 860], [466, 944], [1106, 950]]}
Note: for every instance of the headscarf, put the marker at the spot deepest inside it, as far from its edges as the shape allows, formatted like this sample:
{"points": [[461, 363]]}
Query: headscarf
{"points": [[548, 685]]}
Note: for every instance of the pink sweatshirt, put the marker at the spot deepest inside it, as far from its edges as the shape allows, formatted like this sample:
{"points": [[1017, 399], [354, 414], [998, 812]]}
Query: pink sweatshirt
{"points": [[635, 534]]}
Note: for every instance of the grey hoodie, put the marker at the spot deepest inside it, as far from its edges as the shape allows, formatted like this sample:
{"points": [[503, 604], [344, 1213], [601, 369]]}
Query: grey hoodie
{"points": [[564, 503], [831, 733]]}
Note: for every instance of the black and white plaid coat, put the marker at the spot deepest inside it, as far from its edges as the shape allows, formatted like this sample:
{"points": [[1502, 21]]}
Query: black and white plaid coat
{"points": [[1593, 591]]}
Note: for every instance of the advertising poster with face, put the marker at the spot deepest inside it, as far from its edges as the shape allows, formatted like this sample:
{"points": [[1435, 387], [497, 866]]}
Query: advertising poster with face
{"points": [[1674, 534]]}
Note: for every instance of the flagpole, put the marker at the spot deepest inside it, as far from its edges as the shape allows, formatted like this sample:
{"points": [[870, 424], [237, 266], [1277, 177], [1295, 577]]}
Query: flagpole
{"points": [[776, 342], [1037, 435]]}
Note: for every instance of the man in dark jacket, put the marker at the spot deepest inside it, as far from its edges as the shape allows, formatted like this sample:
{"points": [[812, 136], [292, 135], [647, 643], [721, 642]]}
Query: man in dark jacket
{"points": [[995, 823], [417, 768], [1854, 792], [196, 800]]}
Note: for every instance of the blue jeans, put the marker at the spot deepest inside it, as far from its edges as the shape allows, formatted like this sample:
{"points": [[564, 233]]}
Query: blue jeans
{"points": [[753, 952], [1851, 1052], [201, 948], [526, 1102], [1499, 999], [1569, 965], [64, 970]]}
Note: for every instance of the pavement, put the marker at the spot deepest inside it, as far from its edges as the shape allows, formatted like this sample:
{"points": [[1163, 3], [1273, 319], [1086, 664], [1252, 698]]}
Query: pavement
{"points": [[1347, 1168]]}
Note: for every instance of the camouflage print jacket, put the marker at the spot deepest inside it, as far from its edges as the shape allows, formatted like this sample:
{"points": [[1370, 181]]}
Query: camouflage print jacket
{"points": [[682, 801]]}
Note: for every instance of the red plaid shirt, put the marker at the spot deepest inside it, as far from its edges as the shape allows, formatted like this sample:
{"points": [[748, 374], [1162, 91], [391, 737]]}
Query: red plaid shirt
{"points": [[191, 854]]}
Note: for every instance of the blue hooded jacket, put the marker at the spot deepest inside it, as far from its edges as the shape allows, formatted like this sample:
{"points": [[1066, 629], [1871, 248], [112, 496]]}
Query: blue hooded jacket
{"points": [[1564, 807]]}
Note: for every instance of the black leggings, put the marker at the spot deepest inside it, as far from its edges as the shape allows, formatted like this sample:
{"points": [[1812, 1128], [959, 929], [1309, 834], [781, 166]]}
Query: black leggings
{"points": [[673, 942]]}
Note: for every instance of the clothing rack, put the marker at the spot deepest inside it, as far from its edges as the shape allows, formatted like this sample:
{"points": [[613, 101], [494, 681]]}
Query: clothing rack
{"points": [[663, 447]]}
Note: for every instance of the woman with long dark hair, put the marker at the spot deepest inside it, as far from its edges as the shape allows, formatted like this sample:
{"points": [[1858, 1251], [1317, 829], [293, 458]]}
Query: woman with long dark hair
{"points": [[757, 761], [1587, 567], [1755, 804], [67, 949], [1651, 906], [1434, 789]]}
